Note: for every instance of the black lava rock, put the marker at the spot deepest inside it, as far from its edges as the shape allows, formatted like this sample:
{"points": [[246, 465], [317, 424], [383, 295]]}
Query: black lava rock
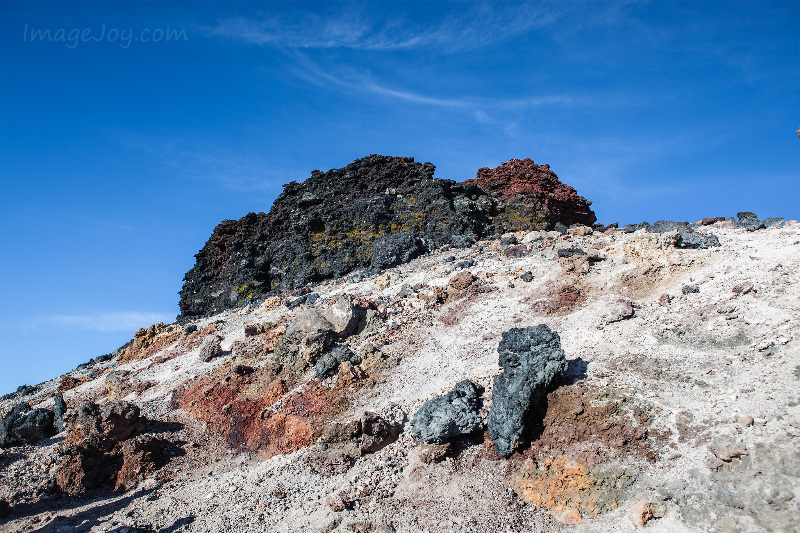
{"points": [[59, 410], [330, 361], [448, 416], [630, 228], [530, 358], [376, 212], [24, 425], [569, 252], [395, 249], [508, 240], [749, 221]]}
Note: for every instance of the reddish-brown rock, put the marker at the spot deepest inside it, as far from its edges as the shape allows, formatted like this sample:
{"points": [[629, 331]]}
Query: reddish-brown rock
{"points": [[521, 183]]}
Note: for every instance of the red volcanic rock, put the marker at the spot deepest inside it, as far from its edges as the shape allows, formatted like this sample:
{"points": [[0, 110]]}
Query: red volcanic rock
{"points": [[521, 180]]}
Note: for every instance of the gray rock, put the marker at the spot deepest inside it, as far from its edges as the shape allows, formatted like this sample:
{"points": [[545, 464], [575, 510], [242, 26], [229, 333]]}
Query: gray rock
{"points": [[772, 221], [460, 241], [342, 316], [690, 289], [508, 240], [446, 417], [211, 349], [24, 425], [330, 361], [749, 221], [309, 321], [59, 410], [570, 252], [530, 358], [630, 228], [687, 237], [394, 249]]}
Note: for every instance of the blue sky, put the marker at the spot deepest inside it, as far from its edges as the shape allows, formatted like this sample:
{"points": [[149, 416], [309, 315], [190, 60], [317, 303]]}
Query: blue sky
{"points": [[128, 135]]}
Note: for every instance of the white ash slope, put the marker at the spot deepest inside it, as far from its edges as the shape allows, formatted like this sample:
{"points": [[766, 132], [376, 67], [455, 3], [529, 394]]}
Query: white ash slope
{"points": [[719, 370]]}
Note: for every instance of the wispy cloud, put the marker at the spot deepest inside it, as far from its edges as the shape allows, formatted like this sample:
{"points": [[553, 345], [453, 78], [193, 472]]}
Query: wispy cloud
{"points": [[355, 26], [101, 321], [201, 161]]}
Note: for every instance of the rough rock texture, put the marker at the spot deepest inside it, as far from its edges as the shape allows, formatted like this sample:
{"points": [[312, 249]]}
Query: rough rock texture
{"points": [[530, 192], [375, 213], [331, 360], [530, 358], [24, 425], [451, 415], [687, 237], [94, 452]]}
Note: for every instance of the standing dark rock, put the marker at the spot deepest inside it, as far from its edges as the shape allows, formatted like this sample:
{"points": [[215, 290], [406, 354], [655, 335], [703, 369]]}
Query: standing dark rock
{"points": [[530, 358]]}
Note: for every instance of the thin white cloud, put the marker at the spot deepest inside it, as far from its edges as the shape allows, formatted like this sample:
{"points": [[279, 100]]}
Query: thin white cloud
{"points": [[355, 26], [102, 322]]}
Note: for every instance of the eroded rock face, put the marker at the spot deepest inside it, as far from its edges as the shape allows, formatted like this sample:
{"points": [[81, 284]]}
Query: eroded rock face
{"points": [[103, 446], [532, 197], [451, 415], [530, 358]]}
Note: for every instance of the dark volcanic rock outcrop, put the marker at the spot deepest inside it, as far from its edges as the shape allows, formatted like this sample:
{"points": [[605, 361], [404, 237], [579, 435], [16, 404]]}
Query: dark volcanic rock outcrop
{"points": [[530, 192], [451, 415], [375, 213], [530, 358]]}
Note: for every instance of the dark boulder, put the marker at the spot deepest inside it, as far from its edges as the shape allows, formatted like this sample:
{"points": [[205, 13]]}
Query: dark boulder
{"points": [[24, 425], [451, 415], [749, 221], [530, 359]]}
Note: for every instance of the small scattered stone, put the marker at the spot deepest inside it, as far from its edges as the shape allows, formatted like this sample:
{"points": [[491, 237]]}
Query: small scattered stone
{"points": [[527, 276], [569, 516], [508, 240], [746, 421], [462, 280], [743, 288], [640, 513], [433, 453], [690, 289], [570, 252]]}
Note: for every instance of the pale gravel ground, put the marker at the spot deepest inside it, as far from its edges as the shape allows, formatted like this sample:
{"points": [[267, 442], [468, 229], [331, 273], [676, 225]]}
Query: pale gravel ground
{"points": [[685, 356]]}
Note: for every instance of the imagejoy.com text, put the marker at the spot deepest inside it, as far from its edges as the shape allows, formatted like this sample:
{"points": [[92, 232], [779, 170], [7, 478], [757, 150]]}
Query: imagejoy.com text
{"points": [[124, 37]]}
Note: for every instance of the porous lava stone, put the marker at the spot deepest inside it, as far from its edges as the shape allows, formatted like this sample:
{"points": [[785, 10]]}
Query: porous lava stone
{"points": [[374, 213]]}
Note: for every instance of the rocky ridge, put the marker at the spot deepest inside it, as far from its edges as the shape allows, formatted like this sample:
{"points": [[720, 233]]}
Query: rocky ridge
{"points": [[370, 402]]}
